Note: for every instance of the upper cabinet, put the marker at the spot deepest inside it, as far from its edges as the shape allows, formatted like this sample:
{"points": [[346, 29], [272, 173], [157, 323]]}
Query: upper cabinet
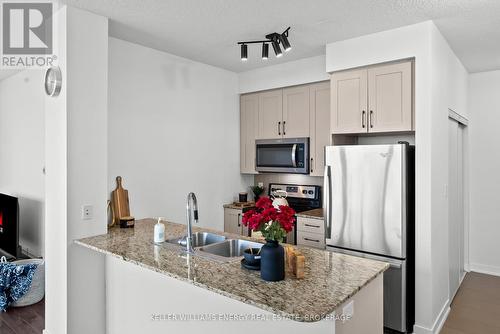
{"points": [[292, 112], [319, 101], [349, 101], [296, 112], [249, 127], [270, 114], [371, 100], [390, 98]]}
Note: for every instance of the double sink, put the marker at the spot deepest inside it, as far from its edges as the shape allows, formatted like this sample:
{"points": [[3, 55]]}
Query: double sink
{"points": [[217, 247]]}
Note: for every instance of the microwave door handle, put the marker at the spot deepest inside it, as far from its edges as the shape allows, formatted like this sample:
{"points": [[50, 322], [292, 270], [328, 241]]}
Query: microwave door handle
{"points": [[326, 200], [294, 155]]}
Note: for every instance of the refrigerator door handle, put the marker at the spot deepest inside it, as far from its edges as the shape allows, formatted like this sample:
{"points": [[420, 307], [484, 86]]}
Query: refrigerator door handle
{"points": [[326, 200]]}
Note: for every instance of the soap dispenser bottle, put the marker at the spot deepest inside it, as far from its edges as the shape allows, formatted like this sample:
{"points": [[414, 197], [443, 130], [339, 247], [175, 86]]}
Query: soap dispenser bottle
{"points": [[159, 232]]}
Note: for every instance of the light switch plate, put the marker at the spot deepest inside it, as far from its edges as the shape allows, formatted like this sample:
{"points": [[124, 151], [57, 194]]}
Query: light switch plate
{"points": [[87, 212]]}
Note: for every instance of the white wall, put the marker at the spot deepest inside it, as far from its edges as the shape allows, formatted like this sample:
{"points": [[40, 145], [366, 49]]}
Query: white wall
{"points": [[439, 80], [173, 128], [22, 155], [484, 176], [292, 73], [76, 157]]}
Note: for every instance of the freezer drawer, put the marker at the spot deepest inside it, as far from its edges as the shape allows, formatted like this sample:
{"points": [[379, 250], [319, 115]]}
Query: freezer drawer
{"points": [[395, 290]]}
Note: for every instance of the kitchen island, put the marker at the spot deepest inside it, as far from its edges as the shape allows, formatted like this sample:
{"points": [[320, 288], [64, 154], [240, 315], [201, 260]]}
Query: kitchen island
{"points": [[158, 288]]}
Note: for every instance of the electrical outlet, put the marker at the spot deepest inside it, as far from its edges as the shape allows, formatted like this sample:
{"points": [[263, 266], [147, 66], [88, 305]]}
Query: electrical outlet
{"points": [[348, 311], [87, 212]]}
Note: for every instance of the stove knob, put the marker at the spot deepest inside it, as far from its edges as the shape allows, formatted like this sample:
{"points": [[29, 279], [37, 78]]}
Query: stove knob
{"points": [[311, 192], [304, 192]]}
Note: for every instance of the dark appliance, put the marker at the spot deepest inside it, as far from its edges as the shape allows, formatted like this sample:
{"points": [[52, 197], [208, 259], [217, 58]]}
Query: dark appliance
{"points": [[9, 227]]}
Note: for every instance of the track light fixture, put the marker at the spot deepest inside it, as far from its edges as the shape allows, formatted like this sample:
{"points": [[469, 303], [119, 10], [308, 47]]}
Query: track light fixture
{"points": [[274, 39], [265, 51], [244, 52]]}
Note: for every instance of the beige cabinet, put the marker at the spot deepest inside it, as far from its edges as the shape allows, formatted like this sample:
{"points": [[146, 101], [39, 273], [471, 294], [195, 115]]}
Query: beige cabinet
{"points": [[373, 99], [249, 127], [296, 112], [292, 112], [390, 98], [319, 101], [232, 222], [349, 101], [270, 114], [311, 232]]}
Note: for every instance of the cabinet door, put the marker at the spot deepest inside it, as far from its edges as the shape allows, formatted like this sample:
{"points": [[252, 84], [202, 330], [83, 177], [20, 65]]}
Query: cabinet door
{"points": [[296, 112], [249, 126], [320, 126], [349, 102], [271, 114], [390, 98], [232, 221]]}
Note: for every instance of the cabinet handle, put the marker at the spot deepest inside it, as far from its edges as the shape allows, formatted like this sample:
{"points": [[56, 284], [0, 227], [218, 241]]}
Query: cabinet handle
{"points": [[279, 128], [309, 225], [371, 114], [239, 216], [313, 240], [312, 161], [363, 114], [284, 133]]}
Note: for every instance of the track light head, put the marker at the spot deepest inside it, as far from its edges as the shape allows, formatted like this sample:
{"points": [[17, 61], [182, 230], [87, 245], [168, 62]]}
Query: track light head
{"points": [[285, 42], [244, 52], [277, 49], [265, 51]]}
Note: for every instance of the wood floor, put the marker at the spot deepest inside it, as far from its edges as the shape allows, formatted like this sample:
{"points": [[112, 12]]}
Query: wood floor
{"points": [[476, 307], [23, 320]]}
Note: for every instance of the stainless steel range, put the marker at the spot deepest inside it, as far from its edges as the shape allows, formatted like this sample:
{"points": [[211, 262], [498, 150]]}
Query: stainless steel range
{"points": [[300, 198]]}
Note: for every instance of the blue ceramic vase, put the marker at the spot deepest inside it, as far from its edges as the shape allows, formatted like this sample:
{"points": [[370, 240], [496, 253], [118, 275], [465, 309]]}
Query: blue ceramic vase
{"points": [[272, 261]]}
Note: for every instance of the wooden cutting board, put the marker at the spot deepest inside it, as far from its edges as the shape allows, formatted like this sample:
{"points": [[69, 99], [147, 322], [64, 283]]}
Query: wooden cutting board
{"points": [[119, 199]]}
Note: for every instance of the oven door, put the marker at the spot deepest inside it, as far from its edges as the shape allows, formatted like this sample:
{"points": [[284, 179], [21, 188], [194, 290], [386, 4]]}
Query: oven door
{"points": [[290, 155]]}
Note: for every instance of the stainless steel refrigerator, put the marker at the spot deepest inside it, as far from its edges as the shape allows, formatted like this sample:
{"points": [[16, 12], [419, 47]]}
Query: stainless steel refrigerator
{"points": [[369, 212]]}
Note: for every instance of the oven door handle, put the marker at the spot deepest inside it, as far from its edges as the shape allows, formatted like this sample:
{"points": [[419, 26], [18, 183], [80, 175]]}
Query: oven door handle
{"points": [[294, 155]]}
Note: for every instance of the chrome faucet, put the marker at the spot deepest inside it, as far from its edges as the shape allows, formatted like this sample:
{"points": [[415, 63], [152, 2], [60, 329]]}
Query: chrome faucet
{"points": [[191, 214]]}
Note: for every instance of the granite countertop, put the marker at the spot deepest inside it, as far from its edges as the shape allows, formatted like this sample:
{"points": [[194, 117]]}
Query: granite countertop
{"points": [[330, 278], [314, 213]]}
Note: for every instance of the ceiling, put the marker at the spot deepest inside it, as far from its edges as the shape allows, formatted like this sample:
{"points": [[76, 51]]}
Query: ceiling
{"points": [[207, 30]]}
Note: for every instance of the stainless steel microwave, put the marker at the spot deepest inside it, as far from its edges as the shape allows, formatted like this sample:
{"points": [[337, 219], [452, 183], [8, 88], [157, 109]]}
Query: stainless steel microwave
{"points": [[287, 155]]}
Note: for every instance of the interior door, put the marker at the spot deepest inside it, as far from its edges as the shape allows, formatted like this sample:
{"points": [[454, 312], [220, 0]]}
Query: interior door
{"points": [[455, 206], [271, 114], [296, 112], [349, 102]]}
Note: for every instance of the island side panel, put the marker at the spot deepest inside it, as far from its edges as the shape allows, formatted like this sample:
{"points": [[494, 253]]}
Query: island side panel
{"points": [[368, 310], [134, 295]]}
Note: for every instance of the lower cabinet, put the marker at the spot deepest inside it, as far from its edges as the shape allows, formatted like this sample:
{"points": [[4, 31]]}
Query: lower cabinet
{"points": [[311, 232], [232, 222]]}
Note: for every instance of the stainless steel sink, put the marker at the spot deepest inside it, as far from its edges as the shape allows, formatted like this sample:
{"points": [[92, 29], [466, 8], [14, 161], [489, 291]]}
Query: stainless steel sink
{"points": [[200, 239], [230, 248]]}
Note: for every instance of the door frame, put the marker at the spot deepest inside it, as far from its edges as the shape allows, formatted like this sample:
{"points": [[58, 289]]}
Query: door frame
{"points": [[464, 123]]}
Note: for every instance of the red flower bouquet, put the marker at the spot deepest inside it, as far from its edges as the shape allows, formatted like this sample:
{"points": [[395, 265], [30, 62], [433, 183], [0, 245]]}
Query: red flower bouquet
{"points": [[273, 223]]}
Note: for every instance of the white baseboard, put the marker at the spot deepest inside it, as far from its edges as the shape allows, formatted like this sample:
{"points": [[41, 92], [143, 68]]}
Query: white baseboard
{"points": [[45, 331], [485, 269], [438, 323]]}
